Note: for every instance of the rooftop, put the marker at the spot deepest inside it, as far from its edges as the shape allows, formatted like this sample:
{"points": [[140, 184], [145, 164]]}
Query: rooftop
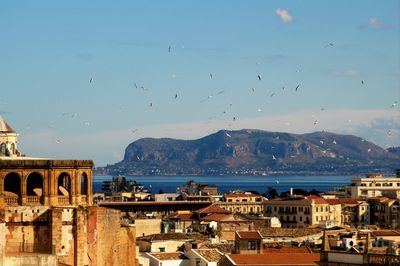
{"points": [[169, 256], [172, 236], [211, 209], [240, 195], [288, 249], [5, 127], [211, 255], [275, 259], [249, 234], [287, 232]]}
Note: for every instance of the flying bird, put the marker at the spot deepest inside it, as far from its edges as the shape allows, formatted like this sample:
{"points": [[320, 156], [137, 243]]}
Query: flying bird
{"points": [[394, 104], [176, 96], [211, 75], [297, 87], [328, 45], [259, 110], [362, 82], [134, 130], [229, 136], [259, 77], [334, 142], [91, 79], [220, 92], [151, 104], [315, 122], [272, 94], [273, 157], [169, 49]]}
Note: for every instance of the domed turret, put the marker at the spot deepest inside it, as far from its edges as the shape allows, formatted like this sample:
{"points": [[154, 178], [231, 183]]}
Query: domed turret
{"points": [[8, 140]]}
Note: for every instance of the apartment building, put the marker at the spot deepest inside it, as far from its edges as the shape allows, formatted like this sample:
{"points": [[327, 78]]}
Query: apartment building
{"points": [[301, 212], [374, 185]]}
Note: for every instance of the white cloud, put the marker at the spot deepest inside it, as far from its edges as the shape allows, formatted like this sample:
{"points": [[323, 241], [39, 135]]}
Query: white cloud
{"points": [[375, 23], [346, 73], [284, 15]]}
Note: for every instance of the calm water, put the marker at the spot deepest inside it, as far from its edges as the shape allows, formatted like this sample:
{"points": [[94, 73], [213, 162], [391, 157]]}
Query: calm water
{"points": [[228, 183]]}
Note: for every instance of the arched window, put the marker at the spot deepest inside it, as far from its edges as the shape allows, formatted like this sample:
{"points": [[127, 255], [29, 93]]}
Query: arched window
{"points": [[12, 186], [3, 148], [64, 184], [12, 148], [84, 184], [34, 185]]}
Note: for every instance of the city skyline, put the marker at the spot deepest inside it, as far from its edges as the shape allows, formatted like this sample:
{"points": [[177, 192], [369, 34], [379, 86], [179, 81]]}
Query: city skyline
{"points": [[84, 80]]}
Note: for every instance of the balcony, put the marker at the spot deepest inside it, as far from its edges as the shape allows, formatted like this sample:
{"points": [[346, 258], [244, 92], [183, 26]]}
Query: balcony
{"points": [[64, 200], [11, 200], [33, 200]]}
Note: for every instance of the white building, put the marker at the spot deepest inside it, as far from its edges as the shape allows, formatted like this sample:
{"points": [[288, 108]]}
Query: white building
{"points": [[168, 259], [375, 186], [204, 257]]}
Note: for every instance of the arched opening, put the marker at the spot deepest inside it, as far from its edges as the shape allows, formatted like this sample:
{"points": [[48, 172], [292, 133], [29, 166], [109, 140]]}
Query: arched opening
{"points": [[34, 188], [12, 188], [12, 148], [64, 184], [34, 185], [84, 184], [3, 148]]}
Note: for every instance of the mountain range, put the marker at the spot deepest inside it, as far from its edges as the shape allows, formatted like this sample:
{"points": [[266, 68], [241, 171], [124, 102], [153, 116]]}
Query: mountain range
{"points": [[255, 152]]}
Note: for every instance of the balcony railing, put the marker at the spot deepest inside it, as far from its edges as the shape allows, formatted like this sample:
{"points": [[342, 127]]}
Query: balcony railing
{"points": [[63, 200], [11, 200], [33, 200]]}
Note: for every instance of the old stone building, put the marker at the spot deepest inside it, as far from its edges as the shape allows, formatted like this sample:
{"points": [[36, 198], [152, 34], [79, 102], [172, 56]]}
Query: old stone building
{"points": [[47, 215]]}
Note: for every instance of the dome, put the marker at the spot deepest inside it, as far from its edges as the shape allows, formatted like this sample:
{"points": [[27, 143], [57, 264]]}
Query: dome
{"points": [[5, 127]]}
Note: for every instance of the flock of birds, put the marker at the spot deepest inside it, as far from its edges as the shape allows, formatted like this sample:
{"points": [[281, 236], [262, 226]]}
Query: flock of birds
{"points": [[142, 88]]}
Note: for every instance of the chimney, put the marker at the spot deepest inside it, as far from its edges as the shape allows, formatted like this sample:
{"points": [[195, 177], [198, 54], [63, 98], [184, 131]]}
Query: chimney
{"points": [[291, 191]]}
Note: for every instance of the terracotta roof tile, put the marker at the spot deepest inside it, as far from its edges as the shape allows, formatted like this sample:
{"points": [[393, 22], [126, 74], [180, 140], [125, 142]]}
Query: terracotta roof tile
{"points": [[211, 209], [184, 217], [169, 256], [286, 250], [249, 234], [387, 232], [211, 255], [287, 232], [276, 259]]}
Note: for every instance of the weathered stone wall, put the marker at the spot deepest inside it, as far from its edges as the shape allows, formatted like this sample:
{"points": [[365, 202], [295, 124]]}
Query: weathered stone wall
{"points": [[109, 243], [27, 229]]}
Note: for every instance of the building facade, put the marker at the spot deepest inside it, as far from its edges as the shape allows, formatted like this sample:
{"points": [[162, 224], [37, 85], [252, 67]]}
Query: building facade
{"points": [[375, 186]]}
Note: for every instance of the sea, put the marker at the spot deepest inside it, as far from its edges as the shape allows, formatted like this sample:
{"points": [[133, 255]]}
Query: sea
{"points": [[225, 184]]}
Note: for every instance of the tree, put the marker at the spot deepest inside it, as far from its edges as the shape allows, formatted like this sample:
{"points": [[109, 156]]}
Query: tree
{"points": [[271, 193]]}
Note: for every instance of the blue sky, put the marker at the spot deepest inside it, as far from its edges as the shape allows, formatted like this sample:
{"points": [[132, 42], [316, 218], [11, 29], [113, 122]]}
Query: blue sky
{"points": [[69, 68]]}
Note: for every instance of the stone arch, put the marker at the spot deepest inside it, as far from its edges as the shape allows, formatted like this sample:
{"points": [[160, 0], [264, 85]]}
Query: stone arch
{"points": [[84, 184], [64, 184], [12, 188], [3, 148], [34, 184]]}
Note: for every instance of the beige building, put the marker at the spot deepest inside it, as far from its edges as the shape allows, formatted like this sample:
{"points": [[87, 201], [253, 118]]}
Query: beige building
{"points": [[242, 202], [375, 186], [385, 213], [355, 212], [301, 212]]}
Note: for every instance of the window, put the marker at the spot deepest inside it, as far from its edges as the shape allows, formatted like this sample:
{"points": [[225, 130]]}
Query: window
{"points": [[251, 245], [198, 262], [162, 249]]}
